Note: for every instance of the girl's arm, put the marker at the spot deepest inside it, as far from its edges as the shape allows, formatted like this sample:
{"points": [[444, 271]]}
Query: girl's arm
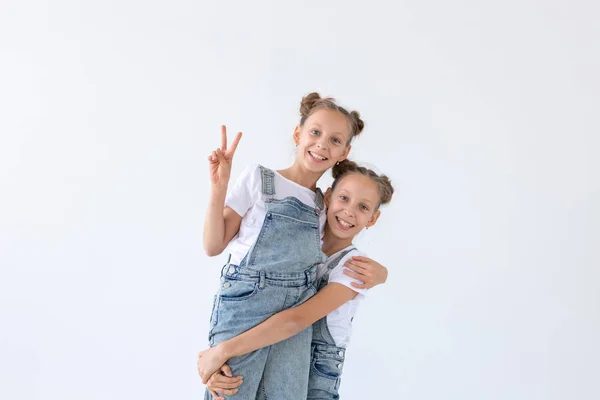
{"points": [[279, 327], [221, 223]]}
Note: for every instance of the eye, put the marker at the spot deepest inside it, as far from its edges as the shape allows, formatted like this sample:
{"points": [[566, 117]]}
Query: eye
{"points": [[315, 132], [343, 198], [337, 141], [364, 208]]}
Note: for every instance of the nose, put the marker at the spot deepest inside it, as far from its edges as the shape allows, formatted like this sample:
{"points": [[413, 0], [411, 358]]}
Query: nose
{"points": [[322, 142], [349, 211]]}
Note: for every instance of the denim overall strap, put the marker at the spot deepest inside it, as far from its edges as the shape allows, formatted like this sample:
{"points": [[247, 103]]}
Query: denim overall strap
{"points": [[319, 200], [325, 278], [321, 332], [267, 177]]}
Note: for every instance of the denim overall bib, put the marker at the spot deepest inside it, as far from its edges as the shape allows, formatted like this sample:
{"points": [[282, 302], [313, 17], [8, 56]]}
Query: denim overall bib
{"points": [[277, 273], [327, 360]]}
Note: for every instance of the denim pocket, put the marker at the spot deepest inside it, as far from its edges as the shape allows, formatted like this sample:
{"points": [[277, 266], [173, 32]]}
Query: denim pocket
{"points": [[237, 290], [327, 368]]}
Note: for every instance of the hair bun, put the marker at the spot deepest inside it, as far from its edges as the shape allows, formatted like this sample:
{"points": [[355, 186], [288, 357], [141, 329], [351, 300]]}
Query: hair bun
{"points": [[387, 189], [343, 167], [308, 102], [358, 123]]}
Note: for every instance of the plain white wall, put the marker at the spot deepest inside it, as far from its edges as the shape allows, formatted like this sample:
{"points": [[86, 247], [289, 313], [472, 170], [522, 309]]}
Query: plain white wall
{"points": [[485, 114]]}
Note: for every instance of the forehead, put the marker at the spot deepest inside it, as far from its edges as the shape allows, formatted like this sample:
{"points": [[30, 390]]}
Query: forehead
{"points": [[331, 120], [359, 186]]}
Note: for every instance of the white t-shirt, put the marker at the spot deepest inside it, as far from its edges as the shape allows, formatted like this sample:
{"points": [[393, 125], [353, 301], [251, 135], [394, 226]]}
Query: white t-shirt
{"points": [[246, 199], [339, 321]]}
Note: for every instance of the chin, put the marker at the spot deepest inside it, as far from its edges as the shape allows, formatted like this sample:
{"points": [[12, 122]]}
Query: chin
{"points": [[345, 234], [316, 168]]}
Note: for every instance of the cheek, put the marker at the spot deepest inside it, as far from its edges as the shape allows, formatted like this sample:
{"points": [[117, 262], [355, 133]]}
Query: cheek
{"points": [[363, 219], [333, 208], [338, 151], [305, 137]]}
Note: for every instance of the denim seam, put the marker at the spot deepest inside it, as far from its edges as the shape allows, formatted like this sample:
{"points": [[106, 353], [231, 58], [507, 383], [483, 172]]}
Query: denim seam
{"points": [[295, 203], [316, 226], [259, 238]]}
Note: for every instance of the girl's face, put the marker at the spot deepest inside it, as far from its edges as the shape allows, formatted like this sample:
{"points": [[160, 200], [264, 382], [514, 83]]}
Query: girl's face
{"points": [[352, 205], [322, 141]]}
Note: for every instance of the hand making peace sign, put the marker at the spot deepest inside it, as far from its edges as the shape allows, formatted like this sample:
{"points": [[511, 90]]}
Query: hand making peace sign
{"points": [[220, 160]]}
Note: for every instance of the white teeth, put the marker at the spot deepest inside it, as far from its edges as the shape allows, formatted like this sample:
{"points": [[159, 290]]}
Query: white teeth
{"points": [[317, 156], [344, 223]]}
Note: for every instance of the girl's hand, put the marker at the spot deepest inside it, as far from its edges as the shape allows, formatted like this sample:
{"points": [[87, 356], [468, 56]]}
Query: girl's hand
{"points": [[209, 361], [219, 161], [223, 382], [367, 270]]}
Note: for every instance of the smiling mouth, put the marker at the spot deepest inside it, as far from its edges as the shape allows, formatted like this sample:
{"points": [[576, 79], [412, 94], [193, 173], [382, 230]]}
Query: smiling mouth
{"points": [[317, 157], [344, 224]]}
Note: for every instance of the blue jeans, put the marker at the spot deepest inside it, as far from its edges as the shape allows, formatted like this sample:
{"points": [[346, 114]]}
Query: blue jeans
{"points": [[247, 299]]}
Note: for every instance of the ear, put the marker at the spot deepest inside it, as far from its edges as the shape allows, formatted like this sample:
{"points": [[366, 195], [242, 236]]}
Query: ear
{"points": [[373, 219], [327, 197], [296, 134], [345, 155]]}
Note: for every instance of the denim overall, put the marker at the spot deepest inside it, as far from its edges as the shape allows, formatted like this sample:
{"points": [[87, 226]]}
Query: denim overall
{"points": [[277, 273], [327, 360]]}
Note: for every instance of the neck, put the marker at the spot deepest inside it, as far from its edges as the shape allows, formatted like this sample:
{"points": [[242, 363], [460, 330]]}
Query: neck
{"points": [[333, 244], [301, 176]]}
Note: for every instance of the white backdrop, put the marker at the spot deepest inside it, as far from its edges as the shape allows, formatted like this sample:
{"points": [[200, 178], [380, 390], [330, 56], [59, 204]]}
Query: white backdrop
{"points": [[485, 114]]}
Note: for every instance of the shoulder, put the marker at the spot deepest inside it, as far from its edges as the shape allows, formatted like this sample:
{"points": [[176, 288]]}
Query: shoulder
{"points": [[337, 272], [251, 169], [242, 194], [250, 174], [352, 253]]}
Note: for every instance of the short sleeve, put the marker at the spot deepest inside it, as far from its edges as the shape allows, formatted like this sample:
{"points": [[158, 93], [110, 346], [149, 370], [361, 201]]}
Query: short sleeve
{"points": [[245, 191], [337, 274]]}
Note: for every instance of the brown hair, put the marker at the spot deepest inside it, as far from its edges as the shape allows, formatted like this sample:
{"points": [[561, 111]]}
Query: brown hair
{"points": [[345, 167], [313, 102]]}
